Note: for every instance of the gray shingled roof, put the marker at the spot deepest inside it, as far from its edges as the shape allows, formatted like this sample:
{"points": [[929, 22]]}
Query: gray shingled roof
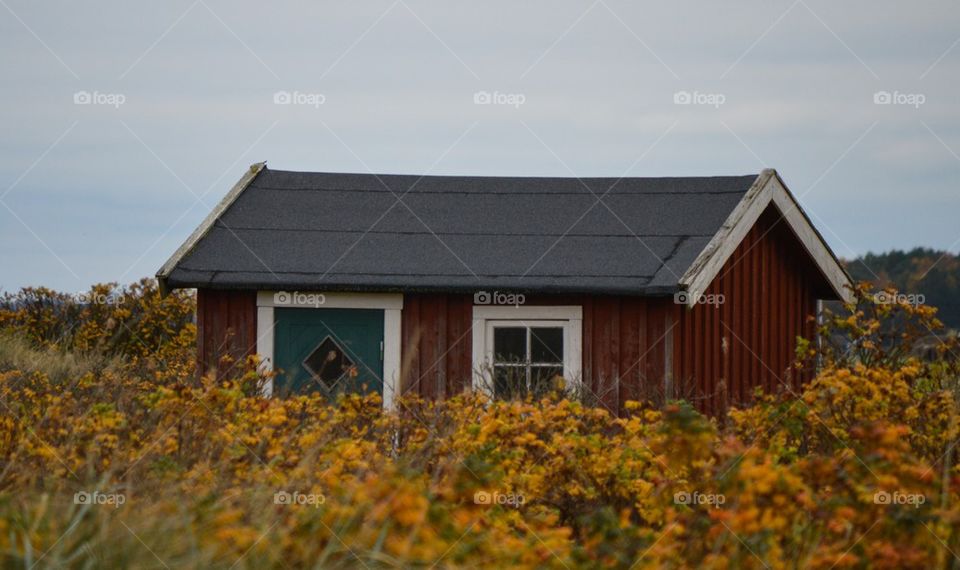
{"points": [[309, 230]]}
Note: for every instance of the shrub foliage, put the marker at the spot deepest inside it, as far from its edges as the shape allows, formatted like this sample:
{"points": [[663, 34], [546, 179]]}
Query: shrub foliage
{"points": [[139, 463]]}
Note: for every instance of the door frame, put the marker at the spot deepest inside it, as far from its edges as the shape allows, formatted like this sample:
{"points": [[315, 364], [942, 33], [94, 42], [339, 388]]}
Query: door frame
{"points": [[390, 303]]}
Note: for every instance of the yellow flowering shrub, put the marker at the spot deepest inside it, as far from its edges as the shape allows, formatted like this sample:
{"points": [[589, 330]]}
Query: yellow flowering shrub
{"points": [[141, 464]]}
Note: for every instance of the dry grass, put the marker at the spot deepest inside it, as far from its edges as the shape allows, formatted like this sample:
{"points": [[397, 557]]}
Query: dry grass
{"points": [[62, 367]]}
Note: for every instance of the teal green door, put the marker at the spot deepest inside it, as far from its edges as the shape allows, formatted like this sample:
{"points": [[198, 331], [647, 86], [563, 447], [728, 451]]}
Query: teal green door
{"points": [[330, 351]]}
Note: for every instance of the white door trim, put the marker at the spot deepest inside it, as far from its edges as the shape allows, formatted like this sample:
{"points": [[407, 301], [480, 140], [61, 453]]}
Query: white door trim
{"points": [[390, 303]]}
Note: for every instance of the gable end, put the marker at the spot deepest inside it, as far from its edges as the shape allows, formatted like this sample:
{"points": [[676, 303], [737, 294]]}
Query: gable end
{"points": [[767, 190]]}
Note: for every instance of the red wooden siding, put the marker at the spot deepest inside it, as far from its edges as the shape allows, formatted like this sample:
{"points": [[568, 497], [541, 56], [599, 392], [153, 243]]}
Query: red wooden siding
{"points": [[436, 345], [624, 345], [624, 349], [227, 325], [770, 286]]}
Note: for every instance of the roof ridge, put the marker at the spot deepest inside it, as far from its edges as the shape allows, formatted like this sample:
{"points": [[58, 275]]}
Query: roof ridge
{"points": [[583, 192], [511, 177]]}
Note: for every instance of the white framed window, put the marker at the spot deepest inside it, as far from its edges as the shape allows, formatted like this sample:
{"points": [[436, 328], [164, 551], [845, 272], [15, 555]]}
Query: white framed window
{"points": [[521, 349]]}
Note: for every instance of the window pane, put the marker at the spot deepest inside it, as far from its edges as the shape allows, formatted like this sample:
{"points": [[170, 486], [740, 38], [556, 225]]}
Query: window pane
{"points": [[543, 379], [546, 344], [510, 344], [328, 363], [509, 382]]}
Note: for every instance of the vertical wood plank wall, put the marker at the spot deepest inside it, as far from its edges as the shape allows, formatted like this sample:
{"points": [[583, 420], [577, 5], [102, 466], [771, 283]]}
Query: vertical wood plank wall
{"points": [[624, 345], [226, 324], [624, 349], [436, 344], [770, 288]]}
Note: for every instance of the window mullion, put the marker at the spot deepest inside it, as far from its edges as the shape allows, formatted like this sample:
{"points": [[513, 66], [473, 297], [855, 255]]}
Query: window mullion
{"points": [[529, 380]]}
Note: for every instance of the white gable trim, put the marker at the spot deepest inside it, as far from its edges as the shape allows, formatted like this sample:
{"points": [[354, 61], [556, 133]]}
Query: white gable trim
{"points": [[390, 303], [208, 222], [767, 189]]}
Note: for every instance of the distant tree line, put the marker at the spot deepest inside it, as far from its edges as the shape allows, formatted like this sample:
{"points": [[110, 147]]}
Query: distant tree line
{"points": [[922, 271]]}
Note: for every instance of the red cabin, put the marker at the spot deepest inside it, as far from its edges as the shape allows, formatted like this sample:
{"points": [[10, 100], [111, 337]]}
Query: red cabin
{"points": [[628, 288]]}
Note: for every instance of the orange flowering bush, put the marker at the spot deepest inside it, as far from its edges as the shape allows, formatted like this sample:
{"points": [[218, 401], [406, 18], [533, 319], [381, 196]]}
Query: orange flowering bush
{"points": [[139, 463], [133, 322]]}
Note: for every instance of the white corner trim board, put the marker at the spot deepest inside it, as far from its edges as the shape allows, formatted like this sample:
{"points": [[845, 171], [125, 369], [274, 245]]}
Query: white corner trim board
{"points": [[767, 189], [568, 316], [390, 303]]}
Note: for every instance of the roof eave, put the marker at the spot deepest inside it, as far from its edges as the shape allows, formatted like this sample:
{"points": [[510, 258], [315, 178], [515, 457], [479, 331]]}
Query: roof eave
{"points": [[204, 228], [651, 291]]}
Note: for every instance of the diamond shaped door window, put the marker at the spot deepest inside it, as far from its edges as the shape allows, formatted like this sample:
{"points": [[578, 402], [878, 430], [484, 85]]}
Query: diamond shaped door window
{"points": [[329, 363]]}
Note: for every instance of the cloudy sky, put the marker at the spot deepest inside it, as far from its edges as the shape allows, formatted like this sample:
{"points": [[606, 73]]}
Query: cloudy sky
{"points": [[123, 123]]}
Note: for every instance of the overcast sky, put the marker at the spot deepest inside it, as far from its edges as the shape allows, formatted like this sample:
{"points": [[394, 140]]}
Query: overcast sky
{"points": [[123, 123]]}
